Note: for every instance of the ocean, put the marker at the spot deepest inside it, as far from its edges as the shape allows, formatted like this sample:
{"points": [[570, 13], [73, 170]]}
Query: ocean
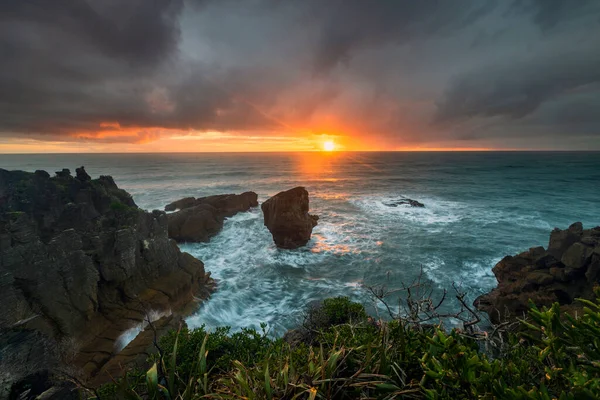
{"points": [[479, 207]]}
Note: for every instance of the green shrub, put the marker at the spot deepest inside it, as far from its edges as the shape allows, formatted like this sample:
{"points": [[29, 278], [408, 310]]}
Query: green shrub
{"points": [[334, 311], [556, 357], [223, 347], [118, 206]]}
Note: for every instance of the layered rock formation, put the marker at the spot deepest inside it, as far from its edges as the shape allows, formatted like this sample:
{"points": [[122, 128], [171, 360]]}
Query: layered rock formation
{"points": [[199, 219], [79, 264], [569, 268], [287, 218]]}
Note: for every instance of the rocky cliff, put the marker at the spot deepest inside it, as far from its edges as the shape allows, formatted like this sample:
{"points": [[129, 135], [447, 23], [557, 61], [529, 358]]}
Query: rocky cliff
{"points": [[568, 269], [79, 264], [287, 218], [199, 219]]}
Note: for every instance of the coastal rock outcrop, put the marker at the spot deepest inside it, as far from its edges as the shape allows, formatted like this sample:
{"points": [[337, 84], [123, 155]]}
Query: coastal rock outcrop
{"points": [[568, 269], [404, 201], [287, 218], [199, 219], [80, 263]]}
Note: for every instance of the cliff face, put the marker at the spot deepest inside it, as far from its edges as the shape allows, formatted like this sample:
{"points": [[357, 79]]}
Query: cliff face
{"points": [[79, 261], [568, 269]]}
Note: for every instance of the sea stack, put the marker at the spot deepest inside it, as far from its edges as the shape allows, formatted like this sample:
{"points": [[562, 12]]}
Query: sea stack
{"points": [[567, 270], [287, 218]]}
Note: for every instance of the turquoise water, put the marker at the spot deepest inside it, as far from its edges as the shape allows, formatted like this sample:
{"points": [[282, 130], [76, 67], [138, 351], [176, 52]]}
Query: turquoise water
{"points": [[478, 208]]}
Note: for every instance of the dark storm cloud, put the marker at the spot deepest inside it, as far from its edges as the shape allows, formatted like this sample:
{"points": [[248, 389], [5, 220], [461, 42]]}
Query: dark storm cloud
{"points": [[136, 31], [558, 65], [516, 89], [347, 25], [399, 71], [66, 63], [70, 65], [549, 13]]}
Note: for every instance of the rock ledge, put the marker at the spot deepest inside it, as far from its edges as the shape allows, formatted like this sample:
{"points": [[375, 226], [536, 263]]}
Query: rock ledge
{"points": [[568, 269], [199, 219]]}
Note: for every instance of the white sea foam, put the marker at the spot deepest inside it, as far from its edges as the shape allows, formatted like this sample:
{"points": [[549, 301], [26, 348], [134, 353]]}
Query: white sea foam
{"points": [[434, 270], [476, 211], [129, 335], [436, 211], [357, 240], [258, 282], [478, 274]]}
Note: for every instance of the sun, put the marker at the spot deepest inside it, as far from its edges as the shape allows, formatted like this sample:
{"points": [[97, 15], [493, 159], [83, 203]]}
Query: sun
{"points": [[329, 145]]}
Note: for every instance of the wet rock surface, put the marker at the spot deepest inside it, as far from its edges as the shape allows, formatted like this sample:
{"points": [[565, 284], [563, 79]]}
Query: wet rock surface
{"points": [[136, 353], [198, 219], [404, 202], [80, 263], [287, 218], [568, 269]]}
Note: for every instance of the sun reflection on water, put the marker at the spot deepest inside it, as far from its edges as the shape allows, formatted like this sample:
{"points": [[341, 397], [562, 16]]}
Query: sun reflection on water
{"points": [[321, 245], [318, 165]]}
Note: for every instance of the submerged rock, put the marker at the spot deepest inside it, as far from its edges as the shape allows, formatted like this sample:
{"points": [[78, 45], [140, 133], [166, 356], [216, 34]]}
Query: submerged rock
{"points": [[79, 264], [287, 218], [567, 270], [199, 219], [404, 202]]}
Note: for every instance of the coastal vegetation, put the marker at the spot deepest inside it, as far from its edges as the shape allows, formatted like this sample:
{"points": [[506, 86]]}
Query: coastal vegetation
{"points": [[342, 353]]}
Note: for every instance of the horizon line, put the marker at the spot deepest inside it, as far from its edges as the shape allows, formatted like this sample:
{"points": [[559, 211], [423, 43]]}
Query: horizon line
{"points": [[330, 152]]}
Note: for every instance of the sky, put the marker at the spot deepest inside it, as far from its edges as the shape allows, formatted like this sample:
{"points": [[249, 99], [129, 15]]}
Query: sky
{"points": [[290, 75]]}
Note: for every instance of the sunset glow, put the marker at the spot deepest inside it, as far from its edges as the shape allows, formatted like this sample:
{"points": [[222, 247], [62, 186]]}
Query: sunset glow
{"points": [[237, 163], [208, 82], [329, 145]]}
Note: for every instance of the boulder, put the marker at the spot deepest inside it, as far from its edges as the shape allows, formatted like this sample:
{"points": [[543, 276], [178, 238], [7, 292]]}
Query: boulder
{"points": [[577, 255], [561, 240], [79, 264], [593, 270], [200, 219], [567, 270], [287, 218]]}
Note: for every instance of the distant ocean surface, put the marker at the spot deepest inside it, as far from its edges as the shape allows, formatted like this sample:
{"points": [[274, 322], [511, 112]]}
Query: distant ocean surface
{"points": [[479, 207]]}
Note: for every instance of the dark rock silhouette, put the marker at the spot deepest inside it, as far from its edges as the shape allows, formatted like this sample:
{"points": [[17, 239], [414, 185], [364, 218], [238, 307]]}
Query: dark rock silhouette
{"points": [[65, 173], [404, 201], [287, 218], [80, 263], [568, 269], [82, 175], [199, 219]]}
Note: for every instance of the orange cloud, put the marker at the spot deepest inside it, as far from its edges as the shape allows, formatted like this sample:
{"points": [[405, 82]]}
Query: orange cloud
{"points": [[112, 125]]}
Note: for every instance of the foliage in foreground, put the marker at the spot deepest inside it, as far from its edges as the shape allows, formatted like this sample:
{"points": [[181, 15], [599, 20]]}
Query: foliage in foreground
{"points": [[555, 357]]}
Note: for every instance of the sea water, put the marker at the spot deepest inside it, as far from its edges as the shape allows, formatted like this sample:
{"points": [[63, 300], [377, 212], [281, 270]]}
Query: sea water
{"points": [[479, 207]]}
